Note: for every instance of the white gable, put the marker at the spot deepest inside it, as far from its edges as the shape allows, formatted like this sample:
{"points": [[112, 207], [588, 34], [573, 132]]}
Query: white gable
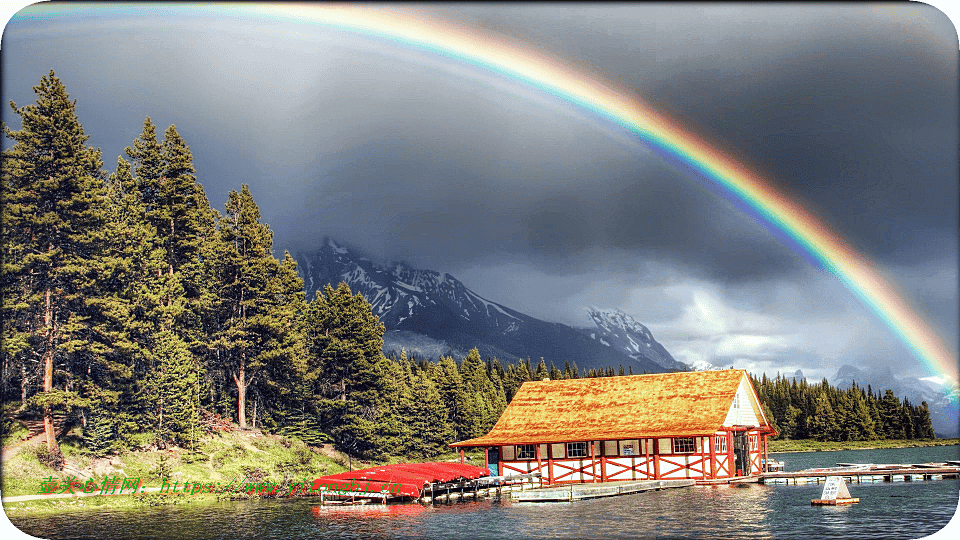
{"points": [[745, 410]]}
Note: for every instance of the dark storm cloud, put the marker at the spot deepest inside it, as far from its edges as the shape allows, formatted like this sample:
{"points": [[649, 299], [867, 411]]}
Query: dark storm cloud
{"points": [[539, 205], [411, 158], [551, 188], [849, 109]]}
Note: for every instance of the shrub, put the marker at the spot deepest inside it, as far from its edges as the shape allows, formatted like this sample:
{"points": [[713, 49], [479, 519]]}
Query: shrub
{"points": [[50, 458], [253, 474]]}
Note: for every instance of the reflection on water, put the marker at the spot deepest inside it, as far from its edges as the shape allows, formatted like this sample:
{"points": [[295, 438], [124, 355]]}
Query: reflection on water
{"points": [[367, 511], [886, 510]]}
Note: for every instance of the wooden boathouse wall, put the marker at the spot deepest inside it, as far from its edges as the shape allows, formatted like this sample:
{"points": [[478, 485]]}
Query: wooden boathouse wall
{"points": [[656, 460], [708, 455]]}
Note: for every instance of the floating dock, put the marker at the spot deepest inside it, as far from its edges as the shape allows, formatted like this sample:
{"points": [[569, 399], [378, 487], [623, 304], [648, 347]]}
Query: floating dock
{"points": [[834, 502], [864, 473], [578, 492]]}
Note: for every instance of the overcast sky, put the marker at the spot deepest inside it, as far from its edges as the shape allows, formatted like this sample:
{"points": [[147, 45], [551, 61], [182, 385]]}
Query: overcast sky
{"points": [[532, 203]]}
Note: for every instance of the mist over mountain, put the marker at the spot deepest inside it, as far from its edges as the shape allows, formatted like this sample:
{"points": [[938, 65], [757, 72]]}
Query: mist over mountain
{"points": [[943, 413], [430, 314]]}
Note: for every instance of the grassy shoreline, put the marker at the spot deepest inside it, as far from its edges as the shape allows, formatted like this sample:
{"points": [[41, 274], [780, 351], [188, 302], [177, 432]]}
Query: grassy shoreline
{"points": [[808, 445], [265, 457], [232, 456]]}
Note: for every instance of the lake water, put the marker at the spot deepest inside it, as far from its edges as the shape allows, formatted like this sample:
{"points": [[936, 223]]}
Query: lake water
{"points": [[886, 510]]}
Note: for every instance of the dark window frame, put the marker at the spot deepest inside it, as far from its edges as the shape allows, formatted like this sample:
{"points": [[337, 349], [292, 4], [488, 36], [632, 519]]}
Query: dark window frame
{"points": [[684, 445], [581, 448], [720, 444], [523, 449]]}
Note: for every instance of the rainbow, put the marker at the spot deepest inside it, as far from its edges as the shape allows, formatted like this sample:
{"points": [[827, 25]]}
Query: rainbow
{"points": [[807, 233]]}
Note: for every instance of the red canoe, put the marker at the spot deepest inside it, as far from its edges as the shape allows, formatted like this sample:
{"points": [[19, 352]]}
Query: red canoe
{"points": [[402, 479]]}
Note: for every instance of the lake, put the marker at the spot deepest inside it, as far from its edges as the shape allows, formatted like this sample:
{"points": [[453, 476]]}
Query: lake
{"points": [[886, 510]]}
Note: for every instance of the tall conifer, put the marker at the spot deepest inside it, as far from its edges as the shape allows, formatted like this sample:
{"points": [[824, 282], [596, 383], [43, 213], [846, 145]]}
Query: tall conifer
{"points": [[51, 226]]}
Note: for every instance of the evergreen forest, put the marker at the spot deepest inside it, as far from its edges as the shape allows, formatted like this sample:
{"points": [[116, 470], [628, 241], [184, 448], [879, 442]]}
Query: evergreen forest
{"points": [[130, 305]]}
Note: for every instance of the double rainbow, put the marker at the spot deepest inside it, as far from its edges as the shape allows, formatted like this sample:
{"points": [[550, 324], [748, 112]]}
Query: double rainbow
{"points": [[810, 236]]}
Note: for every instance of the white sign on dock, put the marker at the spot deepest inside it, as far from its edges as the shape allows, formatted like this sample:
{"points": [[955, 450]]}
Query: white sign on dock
{"points": [[835, 488], [835, 492]]}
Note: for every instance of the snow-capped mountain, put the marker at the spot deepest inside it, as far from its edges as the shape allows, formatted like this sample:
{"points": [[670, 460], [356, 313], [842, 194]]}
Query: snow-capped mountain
{"points": [[618, 330], [942, 400], [430, 313]]}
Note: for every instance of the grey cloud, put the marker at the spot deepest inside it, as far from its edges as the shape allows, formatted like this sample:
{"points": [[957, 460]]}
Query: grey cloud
{"points": [[541, 206]]}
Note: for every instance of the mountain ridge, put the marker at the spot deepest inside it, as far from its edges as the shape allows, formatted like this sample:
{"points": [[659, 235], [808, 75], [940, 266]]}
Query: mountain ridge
{"points": [[432, 313]]}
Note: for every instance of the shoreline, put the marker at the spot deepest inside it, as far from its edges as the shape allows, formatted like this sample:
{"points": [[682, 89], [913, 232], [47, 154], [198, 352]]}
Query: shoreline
{"points": [[832, 446]]}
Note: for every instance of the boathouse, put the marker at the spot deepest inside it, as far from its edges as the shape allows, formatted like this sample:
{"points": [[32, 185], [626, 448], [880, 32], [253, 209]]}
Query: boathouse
{"points": [[704, 425]]}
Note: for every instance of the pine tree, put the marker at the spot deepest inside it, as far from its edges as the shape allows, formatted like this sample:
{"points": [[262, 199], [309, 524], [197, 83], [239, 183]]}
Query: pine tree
{"points": [[890, 416], [791, 423], [428, 420], [859, 423], [127, 272], [100, 432], [183, 222], [923, 428], [248, 297], [541, 372], [284, 354], [175, 386], [51, 227], [455, 400], [345, 341], [906, 419], [821, 424]]}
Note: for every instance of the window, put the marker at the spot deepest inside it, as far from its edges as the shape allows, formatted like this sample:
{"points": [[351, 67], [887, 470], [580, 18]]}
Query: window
{"points": [[753, 442], [627, 450], [720, 444], [576, 449], [683, 445], [610, 448], [525, 451]]}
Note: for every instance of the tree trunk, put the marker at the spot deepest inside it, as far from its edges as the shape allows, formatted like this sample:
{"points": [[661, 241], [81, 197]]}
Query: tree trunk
{"points": [[241, 393], [48, 428], [23, 384], [170, 258]]}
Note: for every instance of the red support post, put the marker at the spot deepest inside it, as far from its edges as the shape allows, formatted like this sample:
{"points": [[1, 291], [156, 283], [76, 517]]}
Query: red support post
{"points": [[731, 463], [646, 455], [462, 457], [603, 463], [593, 462], [703, 456], [536, 451], [656, 458], [766, 454], [549, 462], [713, 455]]}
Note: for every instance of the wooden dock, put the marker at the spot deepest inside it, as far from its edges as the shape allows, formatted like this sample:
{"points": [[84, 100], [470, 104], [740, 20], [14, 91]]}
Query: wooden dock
{"points": [[752, 479], [863, 473], [578, 492], [481, 488]]}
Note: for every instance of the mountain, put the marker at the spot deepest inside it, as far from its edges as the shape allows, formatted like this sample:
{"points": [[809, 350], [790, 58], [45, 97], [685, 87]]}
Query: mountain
{"points": [[430, 313], [941, 399], [620, 331]]}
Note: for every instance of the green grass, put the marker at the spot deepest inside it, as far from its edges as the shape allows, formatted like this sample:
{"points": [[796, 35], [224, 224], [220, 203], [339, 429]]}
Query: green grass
{"points": [[809, 445], [223, 458], [16, 434]]}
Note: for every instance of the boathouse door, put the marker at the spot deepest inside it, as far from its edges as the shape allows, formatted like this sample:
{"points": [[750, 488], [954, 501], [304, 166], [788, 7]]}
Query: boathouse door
{"points": [[493, 461], [741, 453]]}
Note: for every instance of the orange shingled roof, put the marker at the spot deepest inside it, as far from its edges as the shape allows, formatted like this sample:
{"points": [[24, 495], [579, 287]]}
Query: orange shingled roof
{"points": [[607, 408]]}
